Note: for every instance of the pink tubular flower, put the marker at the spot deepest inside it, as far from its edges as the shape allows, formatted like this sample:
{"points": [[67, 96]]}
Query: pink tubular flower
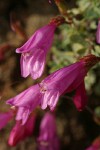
{"points": [[34, 51], [62, 81], [20, 132], [95, 145], [66, 80], [98, 33], [26, 102], [48, 139], [5, 118]]}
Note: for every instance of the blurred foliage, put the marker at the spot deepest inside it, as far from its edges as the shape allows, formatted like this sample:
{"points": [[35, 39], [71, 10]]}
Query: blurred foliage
{"points": [[75, 40], [97, 115], [97, 111]]}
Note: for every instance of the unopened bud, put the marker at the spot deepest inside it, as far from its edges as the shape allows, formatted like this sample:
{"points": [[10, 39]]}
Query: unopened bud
{"points": [[90, 60], [57, 20]]}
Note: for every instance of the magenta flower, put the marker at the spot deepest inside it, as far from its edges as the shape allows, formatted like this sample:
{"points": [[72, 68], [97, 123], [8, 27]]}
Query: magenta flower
{"points": [[20, 132], [5, 118], [48, 91], [66, 80], [48, 139], [63, 81], [26, 102], [95, 145], [34, 51], [98, 33]]}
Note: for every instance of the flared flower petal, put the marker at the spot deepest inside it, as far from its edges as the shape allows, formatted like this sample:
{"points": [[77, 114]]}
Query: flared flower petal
{"points": [[50, 99], [37, 63], [26, 98], [26, 102], [25, 61], [33, 64], [80, 98], [23, 114]]}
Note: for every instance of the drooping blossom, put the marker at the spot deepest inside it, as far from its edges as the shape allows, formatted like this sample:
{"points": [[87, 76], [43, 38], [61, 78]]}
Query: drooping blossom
{"points": [[20, 132], [98, 33], [52, 87], [48, 139], [30, 98], [34, 51], [95, 145], [66, 80], [5, 118]]}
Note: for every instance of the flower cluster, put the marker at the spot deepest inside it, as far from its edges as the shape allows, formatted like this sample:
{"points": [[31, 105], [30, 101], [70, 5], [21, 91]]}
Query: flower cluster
{"points": [[47, 92]]}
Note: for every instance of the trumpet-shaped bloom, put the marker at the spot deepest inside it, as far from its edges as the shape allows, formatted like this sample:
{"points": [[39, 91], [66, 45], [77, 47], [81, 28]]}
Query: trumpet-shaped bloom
{"points": [[20, 132], [5, 118], [62, 81], [26, 102], [48, 139], [66, 80], [98, 33], [34, 51], [48, 91]]}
